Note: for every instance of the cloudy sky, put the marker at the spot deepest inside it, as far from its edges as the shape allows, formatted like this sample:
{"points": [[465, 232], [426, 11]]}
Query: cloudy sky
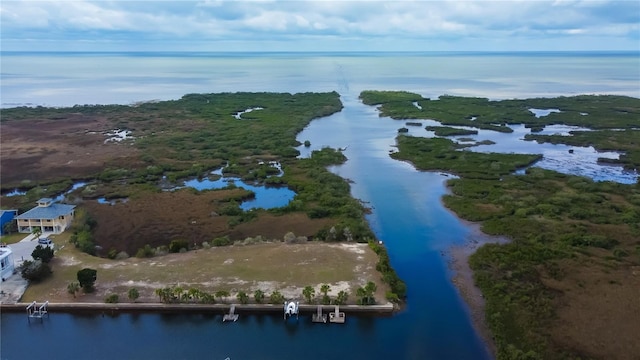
{"points": [[214, 25]]}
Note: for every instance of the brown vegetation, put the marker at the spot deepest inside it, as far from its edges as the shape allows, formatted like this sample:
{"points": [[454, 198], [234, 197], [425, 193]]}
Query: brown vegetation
{"points": [[72, 146]]}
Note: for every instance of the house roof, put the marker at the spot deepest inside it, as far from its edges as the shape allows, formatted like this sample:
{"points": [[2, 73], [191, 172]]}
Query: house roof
{"points": [[47, 212], [8, 211]]}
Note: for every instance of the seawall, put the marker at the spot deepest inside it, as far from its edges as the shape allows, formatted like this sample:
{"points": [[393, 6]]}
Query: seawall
{"points": [[385, 309]]}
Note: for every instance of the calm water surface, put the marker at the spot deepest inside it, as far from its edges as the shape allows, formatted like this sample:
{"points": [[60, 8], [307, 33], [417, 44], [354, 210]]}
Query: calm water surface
{"points": [[407, 212]]}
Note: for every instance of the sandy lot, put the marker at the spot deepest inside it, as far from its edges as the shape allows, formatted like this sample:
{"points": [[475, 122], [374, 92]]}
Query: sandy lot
{"points": [[269, 266]]}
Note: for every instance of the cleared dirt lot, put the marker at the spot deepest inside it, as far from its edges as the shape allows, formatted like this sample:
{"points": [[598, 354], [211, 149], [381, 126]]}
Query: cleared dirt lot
{"points": [[287, 268]]}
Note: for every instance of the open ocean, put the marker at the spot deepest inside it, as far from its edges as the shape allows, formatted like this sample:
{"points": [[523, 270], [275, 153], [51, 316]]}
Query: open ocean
{"points": [[407, 213]]}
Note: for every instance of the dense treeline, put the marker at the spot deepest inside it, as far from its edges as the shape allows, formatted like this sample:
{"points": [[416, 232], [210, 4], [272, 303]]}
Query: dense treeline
{"points": [[558, 225], [443, 154], [591, 111]]}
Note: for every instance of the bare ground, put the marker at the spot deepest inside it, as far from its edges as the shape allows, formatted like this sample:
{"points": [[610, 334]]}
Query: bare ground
{"points": [[267, 266]]}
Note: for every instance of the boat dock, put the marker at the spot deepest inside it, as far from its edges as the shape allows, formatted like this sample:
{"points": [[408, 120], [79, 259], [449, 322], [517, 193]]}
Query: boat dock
{"points": [[319, 317], [231, 316], [336, 316]]}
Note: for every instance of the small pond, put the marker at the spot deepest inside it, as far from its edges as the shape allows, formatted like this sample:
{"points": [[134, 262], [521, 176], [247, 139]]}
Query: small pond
{"points": [[266, 196]]}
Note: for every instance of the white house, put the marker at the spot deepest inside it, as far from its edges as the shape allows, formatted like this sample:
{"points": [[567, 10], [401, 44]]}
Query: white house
{"points": [[48, 215], [6, 262]]}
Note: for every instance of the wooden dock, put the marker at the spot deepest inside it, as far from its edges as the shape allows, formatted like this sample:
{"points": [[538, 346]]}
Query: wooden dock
{"points": [[231, 316], [336, 316], [319, 317]]}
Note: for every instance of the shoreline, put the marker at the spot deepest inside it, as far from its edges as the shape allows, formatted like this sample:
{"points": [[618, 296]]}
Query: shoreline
{"points": [[383, 309], [462, 279]]}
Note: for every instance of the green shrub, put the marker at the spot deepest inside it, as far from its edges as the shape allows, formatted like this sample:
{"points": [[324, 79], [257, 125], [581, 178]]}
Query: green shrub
{"points": [[35, 270], [87, 278], [111, 299], [176, 245], [133, 294], [620, 253], [145, 252], [44, 253], [221, 241]]}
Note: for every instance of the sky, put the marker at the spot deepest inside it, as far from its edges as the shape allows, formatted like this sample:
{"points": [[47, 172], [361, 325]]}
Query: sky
{"points": [[273, 25]]}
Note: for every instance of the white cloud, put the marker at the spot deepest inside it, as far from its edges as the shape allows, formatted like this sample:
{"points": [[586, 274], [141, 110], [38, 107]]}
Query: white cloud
{"points": [[323, 22]]}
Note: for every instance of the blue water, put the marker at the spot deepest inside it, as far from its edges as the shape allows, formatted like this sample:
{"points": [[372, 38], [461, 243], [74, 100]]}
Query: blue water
{"points": [[407, 214], [266, 196]]}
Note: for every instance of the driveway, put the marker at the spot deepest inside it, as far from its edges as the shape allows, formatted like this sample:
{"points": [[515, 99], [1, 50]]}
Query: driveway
{"points": [[13, 287]]}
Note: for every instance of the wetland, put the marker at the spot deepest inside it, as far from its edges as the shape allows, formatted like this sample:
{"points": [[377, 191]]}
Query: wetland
{"points": [[403, 207]]}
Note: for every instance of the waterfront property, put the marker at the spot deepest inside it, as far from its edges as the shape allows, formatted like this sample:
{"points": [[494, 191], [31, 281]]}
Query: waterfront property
{"points": [[6, 216], [6, 262], [48, 216]]}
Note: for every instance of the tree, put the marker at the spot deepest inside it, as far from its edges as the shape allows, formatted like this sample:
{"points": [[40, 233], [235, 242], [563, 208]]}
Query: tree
{"points": [[325, 288], [361, 293], [73, 288], [133, 294], [37, 231], [44, 253], [35, 270], [195, 295], [165, 294], [242, 297], [87, 278], [222, 294], [258, 295], [308, 292], [369, 289], [10, 227], [276, 297], [342, 297]]}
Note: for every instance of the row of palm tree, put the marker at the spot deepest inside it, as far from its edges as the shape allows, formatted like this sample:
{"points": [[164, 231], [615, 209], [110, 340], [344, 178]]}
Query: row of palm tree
{"points": [[178, 294], [309, 294]]}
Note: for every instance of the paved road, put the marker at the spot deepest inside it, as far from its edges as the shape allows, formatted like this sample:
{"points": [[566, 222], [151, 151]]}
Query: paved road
{"points": [[11, 289]]}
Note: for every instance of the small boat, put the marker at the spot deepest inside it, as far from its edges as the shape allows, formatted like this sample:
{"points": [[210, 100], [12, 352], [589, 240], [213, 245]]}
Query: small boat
{"points": [[290, 309]]}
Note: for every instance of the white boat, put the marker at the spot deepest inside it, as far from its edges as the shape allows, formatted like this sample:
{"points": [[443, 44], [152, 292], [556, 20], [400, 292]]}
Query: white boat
{"points": [[290, 309]]}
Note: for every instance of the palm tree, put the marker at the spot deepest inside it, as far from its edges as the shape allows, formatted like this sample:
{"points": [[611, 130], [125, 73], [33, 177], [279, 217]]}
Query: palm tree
{"points": [[361, 293], [369, 289], [342, 297], [276, 297], [73, 288], [243, 297], [258, 295], [222, 294], [325, 288], [308, 292], [37, 231], [194, 294]]}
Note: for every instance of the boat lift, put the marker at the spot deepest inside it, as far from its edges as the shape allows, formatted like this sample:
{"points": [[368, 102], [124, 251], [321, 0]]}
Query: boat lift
{"points": [[37, 312], [290, 309], [231, 316]]}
